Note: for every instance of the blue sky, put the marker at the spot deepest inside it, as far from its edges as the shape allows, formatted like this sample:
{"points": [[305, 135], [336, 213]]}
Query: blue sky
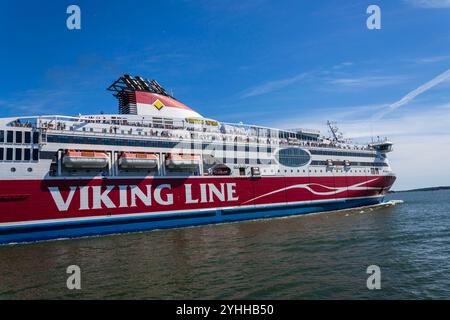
{"points": [[276, 63]]}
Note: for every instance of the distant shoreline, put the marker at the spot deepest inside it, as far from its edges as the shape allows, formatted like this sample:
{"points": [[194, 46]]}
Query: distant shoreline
{"points": [[423, 189]]}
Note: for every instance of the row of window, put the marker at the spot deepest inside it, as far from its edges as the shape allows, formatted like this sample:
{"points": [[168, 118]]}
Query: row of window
{"points": [[151, 143], [291, 157], [357, 164], [19, 154], [341, 153], [115, 142], [18, 136], [372, 171], [248, 161], [299, 136], [293, 162], [211, 146], [246, 148]]}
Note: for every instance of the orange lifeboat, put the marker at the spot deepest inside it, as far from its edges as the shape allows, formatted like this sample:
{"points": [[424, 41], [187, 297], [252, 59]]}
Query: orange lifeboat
{"points": [[183, 161], [133, 160], [85, 159]]}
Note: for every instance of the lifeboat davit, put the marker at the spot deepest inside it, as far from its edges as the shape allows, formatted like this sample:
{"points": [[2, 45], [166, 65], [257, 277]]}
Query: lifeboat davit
{"points": [[184, 161], [85, 159], [131, 160]]}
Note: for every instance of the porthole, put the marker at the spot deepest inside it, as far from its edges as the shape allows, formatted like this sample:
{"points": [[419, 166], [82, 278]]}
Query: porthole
{"points": [[30, 169], [13, 169]]}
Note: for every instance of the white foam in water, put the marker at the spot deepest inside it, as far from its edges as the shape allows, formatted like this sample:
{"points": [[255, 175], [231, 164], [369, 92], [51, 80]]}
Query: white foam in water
{"points": [[364, 209], [394, 202]]}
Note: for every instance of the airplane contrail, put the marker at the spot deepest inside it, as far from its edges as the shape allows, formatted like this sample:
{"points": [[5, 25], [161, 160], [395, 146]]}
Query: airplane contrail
{"points": [[413, 94]]}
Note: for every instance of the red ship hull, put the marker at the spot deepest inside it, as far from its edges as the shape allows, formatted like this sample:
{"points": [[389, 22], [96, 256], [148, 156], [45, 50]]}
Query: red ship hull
{"points": [[28, 206]]}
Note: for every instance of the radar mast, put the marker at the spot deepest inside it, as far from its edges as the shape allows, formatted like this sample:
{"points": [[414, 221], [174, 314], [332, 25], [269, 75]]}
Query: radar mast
{"points": [[334, 130]]}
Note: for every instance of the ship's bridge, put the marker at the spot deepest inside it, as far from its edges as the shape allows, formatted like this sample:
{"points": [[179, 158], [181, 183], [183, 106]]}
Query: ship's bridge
{"points": [[382, 146], [139, 96]]}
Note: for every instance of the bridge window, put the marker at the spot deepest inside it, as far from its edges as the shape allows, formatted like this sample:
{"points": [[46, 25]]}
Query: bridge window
{"points": [[27, 137], [9, 154], [1, 154], [27, 155], [18, 136], [10, 136], [18, 154], [35, 137], [35, 154], [2, 136]]}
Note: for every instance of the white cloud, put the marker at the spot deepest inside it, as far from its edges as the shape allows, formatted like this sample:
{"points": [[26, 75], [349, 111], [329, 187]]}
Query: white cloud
{"points": [[36, 102], [368, 82], [271, 86], [419, 160], [413, 94], [421, 140], [342, 65], [430, 3], [430, 123], [324, 76], [433, 59]]}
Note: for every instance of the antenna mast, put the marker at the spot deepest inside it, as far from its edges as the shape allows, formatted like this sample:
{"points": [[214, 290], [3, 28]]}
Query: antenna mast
{"points": [[337, 135]]}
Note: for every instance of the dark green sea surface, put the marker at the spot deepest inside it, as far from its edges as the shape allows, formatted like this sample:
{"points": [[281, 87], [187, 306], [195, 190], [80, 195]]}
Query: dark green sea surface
{"points": [[319, 256]]}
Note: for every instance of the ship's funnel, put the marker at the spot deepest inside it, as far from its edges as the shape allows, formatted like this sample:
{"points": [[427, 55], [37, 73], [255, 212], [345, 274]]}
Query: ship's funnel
{"points": [[141, 96]]}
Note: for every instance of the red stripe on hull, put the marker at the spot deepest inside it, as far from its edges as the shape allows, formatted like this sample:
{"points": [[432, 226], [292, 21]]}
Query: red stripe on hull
{"points": [[217, 192]]}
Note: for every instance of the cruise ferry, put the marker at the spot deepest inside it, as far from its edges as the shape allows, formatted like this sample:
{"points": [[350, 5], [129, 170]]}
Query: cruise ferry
{"points": [[159, 164]]}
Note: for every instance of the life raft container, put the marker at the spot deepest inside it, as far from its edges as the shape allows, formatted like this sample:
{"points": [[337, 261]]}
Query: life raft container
{"points": [[130, 160], [184, 161], [85, 159]]}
